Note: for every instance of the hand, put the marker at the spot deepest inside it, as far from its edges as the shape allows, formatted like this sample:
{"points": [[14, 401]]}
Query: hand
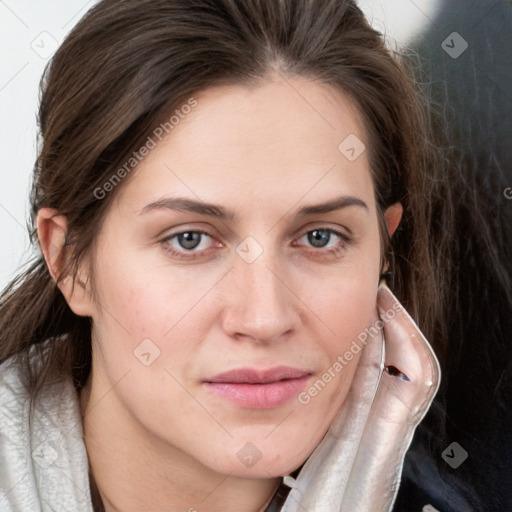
{"points": [[357, 465]]}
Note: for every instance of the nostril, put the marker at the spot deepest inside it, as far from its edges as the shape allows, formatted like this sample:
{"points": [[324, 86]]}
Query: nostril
{"points": [[395, 372]]}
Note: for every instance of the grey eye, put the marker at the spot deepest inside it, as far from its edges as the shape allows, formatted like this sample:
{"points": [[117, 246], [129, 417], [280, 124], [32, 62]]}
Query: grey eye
{"points": [[189, 239], [319, 237]]}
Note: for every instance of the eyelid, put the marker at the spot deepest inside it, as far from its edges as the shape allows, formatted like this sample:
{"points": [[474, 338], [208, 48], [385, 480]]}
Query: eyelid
{"points": [[326, 227], [170, 236]]}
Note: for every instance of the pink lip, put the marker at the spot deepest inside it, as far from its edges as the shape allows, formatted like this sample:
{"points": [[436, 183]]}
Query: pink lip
{"points": [[259, 389]]}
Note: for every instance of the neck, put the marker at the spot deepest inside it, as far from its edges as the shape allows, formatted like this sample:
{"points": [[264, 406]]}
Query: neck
{"points": [[134, 471]]}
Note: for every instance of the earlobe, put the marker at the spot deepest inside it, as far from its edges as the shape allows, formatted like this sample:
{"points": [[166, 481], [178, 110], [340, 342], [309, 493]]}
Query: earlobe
{"points": [[393, 215], [51, 232]]}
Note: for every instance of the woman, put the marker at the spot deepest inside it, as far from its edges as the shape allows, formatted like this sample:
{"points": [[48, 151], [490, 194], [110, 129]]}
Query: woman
{"points": [[214, 200]]}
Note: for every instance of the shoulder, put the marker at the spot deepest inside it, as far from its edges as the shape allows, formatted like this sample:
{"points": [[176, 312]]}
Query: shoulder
{"points": [[44, 461]]}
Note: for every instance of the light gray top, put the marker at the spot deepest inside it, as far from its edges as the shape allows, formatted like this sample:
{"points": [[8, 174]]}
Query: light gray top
{"points": [[43, 467]]}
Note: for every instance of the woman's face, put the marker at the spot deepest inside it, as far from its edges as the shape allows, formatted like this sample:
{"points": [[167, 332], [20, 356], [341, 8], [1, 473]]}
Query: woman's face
{"points": [[274, 281]]}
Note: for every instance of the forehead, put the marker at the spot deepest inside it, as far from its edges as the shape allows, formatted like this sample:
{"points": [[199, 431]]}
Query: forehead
{"points": [[258, 142], [271, 115]]}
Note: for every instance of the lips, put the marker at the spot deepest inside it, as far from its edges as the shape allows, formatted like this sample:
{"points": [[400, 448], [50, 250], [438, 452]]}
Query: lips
{"points": [[252, 376], [259, 389]]}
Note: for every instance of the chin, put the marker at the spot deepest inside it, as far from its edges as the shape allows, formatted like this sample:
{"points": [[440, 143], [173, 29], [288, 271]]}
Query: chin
{"points": [[250, 462]]}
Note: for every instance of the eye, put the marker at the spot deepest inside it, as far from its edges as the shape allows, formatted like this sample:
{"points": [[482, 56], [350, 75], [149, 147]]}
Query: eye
{"points": [[184, 244], [328, 239], [194, 243]]}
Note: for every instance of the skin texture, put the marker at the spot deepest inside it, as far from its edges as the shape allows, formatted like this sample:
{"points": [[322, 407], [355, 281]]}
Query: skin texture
{"points": [[156, 437]]}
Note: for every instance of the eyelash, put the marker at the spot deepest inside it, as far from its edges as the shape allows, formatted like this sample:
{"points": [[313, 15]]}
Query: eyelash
{"points": [[184, 255]]}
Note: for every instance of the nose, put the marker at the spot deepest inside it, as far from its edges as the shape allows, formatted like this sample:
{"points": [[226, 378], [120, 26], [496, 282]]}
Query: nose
{"points": [[261, 305]]}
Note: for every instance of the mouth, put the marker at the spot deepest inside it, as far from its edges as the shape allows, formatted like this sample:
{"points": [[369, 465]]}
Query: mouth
{"points": [[259, 389]]}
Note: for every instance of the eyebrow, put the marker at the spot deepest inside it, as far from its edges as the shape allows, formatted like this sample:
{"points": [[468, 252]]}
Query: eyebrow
{"points": [[183, 204]]}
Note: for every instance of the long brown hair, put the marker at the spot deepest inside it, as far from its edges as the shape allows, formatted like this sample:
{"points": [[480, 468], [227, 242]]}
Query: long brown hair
{"points": [[128, 63]]}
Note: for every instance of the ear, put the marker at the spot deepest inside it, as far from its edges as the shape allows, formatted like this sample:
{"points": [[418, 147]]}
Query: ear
{"points": [[393, 215], [51, 233]]}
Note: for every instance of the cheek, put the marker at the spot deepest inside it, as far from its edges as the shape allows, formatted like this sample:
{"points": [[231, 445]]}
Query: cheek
{"points": [[142, 299], [130, 307], [145, 295], [147, 312], [347, 311], [344, 302]]}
